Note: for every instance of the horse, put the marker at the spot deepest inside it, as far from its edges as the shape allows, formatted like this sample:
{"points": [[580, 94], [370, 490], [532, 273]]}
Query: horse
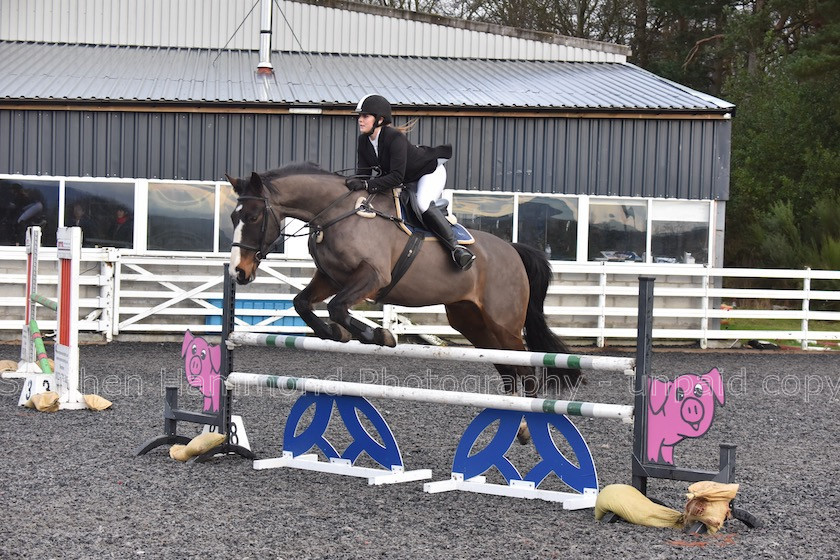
{"points": [[355, 250]]}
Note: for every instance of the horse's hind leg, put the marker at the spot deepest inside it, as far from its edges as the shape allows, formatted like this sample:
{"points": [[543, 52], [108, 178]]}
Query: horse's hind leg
{"points": [[363, 282], [318, 289], [468, 319]]}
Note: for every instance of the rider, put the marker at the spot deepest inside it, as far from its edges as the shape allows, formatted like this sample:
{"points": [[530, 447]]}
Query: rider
{"points": [[388, 159]]}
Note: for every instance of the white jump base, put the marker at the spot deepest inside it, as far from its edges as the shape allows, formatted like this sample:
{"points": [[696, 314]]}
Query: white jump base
{"points": [[375, 477], [516, 489]]}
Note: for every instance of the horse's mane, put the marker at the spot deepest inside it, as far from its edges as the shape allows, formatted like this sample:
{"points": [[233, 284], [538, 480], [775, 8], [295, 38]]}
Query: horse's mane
{"points": [[304, 168]]}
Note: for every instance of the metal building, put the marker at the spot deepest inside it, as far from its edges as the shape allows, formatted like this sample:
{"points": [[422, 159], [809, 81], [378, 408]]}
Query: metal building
{"points": [[558, 140]]}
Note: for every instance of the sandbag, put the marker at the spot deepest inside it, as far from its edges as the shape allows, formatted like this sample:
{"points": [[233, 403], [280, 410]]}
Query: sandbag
{"points": [[198, 445], [179, 453], [708, 502], [43, 402], [203, 443], [95, 402], [8, 365], [633, 506]]}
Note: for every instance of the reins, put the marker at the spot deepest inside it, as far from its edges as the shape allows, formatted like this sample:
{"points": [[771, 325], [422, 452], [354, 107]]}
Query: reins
{"points": [[315, 229]]}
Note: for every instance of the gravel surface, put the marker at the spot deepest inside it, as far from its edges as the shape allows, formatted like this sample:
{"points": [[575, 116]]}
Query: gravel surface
{"points": [[72, 487]]}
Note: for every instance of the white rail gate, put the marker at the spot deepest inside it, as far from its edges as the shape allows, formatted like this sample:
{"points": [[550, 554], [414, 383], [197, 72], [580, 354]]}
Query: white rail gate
{"points": [[125, 295]]}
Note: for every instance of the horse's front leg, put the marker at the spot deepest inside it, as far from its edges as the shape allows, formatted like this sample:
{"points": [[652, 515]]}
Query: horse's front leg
{"points": [[318, 289], [363, 282]]}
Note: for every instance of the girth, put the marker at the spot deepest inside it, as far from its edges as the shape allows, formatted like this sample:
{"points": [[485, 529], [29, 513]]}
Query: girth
{"points": [[404, 262]]}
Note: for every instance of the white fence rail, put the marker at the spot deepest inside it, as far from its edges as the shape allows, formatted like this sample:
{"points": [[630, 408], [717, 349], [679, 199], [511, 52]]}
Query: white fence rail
{"points": [[124, 294]]}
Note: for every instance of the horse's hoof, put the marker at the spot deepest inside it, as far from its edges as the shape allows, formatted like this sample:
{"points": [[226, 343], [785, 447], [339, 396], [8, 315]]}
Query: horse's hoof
{"points": [[523, 436], [383, 337], [339, 333]]}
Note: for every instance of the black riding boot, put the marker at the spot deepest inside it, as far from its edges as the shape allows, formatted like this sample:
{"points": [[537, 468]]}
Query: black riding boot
{"points": [[440, 226]]}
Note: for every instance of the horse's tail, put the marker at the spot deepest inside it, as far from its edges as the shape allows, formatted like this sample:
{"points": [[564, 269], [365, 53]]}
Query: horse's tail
{"points": [[538, 337]]}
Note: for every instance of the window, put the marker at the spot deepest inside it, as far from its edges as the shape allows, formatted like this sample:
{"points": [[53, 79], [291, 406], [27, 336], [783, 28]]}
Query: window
{"points": [[617, 230], [680, 232], [485, 212], [24, 203], [181, 217], [104, 211], [549, 224], [227, 202]]}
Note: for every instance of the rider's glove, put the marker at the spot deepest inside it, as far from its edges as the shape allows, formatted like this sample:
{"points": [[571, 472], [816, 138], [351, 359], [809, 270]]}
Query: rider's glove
{"points": [[355, 184]]}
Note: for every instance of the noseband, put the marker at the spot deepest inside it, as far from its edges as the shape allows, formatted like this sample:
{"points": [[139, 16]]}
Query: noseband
{"points": [[263, 249]]}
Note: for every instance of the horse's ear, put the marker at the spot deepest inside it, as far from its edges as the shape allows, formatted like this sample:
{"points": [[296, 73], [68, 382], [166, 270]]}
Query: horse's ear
{"points": [[256, 183], [237, 185]]}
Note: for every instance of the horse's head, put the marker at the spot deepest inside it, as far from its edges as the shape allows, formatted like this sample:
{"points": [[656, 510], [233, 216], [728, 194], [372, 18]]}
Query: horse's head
{"points": [[256, 226]]}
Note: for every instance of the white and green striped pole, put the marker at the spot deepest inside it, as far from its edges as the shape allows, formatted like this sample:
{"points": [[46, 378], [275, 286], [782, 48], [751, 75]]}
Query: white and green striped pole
{"points": [[434, 396], [461, 354]]}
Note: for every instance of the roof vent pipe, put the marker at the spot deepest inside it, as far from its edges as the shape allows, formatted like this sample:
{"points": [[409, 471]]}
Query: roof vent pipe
{"points": [[265, 67]]}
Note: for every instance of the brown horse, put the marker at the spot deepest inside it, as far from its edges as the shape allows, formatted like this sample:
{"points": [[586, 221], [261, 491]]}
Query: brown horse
{"points": [[490, 304]]}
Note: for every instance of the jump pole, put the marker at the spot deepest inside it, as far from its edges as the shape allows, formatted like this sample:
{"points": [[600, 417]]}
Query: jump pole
{"points": [[28, 353], [457, 354], [432, 396]]}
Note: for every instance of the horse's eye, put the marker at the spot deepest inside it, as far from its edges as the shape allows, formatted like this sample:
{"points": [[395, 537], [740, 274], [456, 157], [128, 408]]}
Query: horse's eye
{"points": [[253, 219]]}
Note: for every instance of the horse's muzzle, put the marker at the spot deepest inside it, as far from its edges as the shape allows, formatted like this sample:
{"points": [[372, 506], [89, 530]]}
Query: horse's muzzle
{"points": [[243, 277]]}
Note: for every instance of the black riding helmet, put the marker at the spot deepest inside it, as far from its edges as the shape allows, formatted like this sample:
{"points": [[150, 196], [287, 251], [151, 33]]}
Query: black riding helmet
{"points": [[377, 106]]}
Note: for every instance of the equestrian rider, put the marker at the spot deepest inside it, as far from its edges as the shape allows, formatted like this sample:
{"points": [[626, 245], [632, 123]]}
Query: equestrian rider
{"points": [[388, 160]]}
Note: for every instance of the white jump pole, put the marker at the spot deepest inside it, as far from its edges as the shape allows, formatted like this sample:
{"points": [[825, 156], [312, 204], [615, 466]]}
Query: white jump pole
{"points": [[465, 354], [27, 363], [435, 396]]}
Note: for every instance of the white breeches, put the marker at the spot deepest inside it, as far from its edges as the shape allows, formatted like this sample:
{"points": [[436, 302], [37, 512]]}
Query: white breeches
{"points": [[430, 187]]}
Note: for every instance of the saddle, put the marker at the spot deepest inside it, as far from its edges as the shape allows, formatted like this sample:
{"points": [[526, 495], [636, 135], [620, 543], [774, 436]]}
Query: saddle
{"points": [[408, 211], [407, 217]]}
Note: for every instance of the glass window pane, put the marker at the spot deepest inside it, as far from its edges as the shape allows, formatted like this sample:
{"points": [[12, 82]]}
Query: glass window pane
{"points": [[617, 230], [105, 212], [181, 217], [24, 203], [227, 203], [680, 232], [485, 212], [549, 224]]}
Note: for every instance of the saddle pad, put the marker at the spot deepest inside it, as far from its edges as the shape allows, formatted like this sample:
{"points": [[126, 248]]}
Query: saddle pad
{"points": [[462, 236]]}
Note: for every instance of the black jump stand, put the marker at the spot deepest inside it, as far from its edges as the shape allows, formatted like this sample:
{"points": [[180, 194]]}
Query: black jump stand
{"points": [[642, 469], [220, 420]]}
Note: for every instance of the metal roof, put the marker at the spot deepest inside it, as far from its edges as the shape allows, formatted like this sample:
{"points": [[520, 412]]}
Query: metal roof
{"points": [[49, 72], [336, 26]]}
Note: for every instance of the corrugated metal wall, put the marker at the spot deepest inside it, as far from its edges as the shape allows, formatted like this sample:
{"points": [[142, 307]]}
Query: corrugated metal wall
{"points": [[674, 158], [297, 26]]}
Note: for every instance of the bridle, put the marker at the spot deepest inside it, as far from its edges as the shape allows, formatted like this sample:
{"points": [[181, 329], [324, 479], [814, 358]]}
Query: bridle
{"points": [[264, 248]]}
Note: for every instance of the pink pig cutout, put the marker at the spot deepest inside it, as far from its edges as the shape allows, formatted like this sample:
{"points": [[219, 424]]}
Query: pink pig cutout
{"points": [[202, 362], [678, 409]]}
